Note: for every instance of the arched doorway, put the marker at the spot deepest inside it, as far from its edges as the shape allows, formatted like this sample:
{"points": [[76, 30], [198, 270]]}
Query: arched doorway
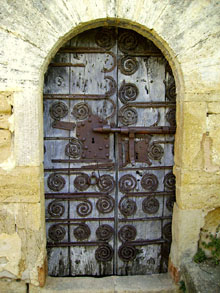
{"points": [[109, 122]]}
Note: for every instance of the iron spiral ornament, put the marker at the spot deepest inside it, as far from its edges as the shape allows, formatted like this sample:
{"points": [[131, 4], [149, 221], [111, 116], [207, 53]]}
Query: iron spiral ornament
{"points": [[171, 117], [84, 209], [81, 111], [167, 231], [127, 183], [58, 110], [128, 115], [155, 152], [127, 252], [112, 86], [127, 41], [74, 148], [106, 183], [55, 182], [56, 233], [171, 91], [170, 181], [104, 253], [150, 205], [128, 65], [170, 202], [105, 204], [56, 209], [105, 38], [82, 232], [127, 206], [127, 233], [81, 182], [104, 232], [149, 182], [128, 92]]}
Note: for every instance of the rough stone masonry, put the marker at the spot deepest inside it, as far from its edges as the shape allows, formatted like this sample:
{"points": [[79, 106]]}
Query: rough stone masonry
{"points": [[31, 32]]}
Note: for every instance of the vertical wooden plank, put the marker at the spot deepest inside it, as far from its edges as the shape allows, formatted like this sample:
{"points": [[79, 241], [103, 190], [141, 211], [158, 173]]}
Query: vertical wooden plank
{"points": [[56, 82], [148, 78], [91, 79]]}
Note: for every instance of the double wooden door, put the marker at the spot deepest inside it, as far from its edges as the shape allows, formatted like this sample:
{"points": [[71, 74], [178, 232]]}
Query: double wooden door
{"points": [[109, 123]]}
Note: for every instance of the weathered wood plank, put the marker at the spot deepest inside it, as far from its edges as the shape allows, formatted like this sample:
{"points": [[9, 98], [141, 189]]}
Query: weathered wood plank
{"points": [[102, 75]]}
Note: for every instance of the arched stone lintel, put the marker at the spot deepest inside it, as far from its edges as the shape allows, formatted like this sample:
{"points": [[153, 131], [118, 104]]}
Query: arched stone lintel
{"points": [[150, 34]]}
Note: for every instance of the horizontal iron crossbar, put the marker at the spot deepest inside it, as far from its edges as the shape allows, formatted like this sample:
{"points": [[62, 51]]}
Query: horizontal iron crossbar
{"points": [[110, 219], [97, 243], [80, 220]]}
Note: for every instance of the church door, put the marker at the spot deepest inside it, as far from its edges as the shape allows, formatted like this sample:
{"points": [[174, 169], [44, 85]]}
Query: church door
{"points": [[109, 124]]}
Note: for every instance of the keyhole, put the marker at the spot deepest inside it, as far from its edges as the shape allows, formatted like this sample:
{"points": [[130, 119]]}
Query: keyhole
{"points": [[93, 140]]}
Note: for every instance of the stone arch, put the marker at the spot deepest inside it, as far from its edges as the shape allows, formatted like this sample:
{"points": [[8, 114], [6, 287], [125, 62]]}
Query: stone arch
{"points": [[167, 51], [36, 31]]}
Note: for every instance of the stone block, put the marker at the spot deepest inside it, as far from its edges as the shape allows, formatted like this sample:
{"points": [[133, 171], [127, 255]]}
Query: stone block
{"points": [[197, 189], [123, 284], [174, 272], [7, 220], [5, 138], [213, 108], [212, 220], [5, 145], [144, 284], [28, 127], [186, 227], [28, 221], [4, 123], [200, 76], [213, 128], [187, 177], [22, 184], [12, 286], [191, 29], [197, 96], [200, 278], [212, 225], [198, 196], [10, 255], [5, 103], [76, 285], [191, 117]]}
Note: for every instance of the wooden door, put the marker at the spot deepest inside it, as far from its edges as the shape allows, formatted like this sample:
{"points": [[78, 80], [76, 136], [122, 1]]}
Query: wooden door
{"points": [[109, 122]]}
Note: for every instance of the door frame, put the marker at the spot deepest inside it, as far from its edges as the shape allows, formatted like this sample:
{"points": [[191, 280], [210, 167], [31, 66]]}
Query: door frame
{"points": [[167, 53]]}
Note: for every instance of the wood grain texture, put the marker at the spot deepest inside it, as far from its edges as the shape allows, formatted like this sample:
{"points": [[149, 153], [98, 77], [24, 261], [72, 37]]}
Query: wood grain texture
{"points": [[100, 88]]}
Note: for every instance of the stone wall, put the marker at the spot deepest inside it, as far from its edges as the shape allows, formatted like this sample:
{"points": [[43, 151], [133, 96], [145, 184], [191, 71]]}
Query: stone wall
{"points": [[31, 32]]}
